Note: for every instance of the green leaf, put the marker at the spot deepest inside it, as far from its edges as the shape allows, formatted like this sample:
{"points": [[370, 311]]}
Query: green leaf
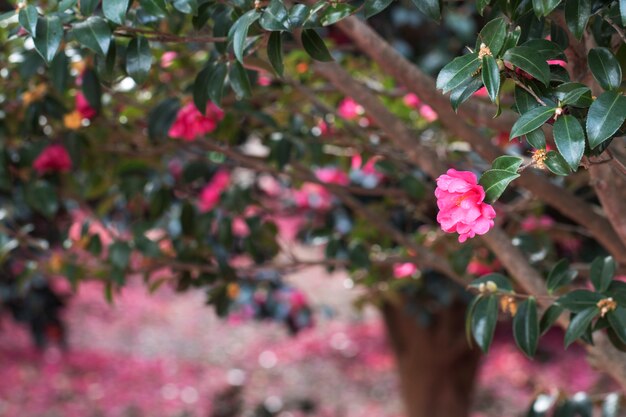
{"points": [[526, 327], [105, 66], [314, 45], [491, 77], [560, 275], [94, 33], [138, 59], [66, 5], [431, 8], [545, 48], [275, 52], [577, 13], [59, 72], [481, 4], [373, 7], [557, 164], [87, 7], [92, 89], [605, 116], [115, 10], [28, 19], [524, 102], [336, 12], [239, 80], [536, 139], [493, 34], [457, 72], [531, 120], [298, 14], [42, 197], [605, 68], [579, 324], [617, 320], [484, 321], [579, 300], [527, 59], [161, 117], [602, 272], [154, 7], [215, 83], [186, 6], [465, 91], [495, 181], [577, 97], [507, 163], [119, 254], [502, 282], [275, 17], [468, 319], [238, 32], [544, 7], [550, 316], [48, 36], [570, 139]]}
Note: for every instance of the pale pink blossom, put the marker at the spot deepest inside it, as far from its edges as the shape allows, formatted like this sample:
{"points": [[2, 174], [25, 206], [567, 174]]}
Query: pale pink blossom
{"points": [[428, 113], [211, 193], [167, 59], [403, 270], [412, 100], [461, 207], [190, 123], [53, 158], [332, 175], [532, 223], [313, 196], [350, 109]]}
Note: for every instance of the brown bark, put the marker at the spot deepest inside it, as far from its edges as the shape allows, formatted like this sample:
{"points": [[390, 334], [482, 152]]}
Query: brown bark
{"points": [[437, 368]]}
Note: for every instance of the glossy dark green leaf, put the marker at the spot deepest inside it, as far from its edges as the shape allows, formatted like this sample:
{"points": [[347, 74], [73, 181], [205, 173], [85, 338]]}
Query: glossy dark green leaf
{"points": [[605, 68], [48, 37], [275, 17], [154, 7], [314, 45], [457, 72], [186, 6], [60, 72], [602, 272], [28, 19], [536, 139], [138, 59], [373, 7], [239, 32], [579, 324], [544, 7], [495, 181], [469, 313], [336, 12], [87, 7], [491, 77], [92, 89], [577, 13], [465, 91], [560, 275], [606, 115], [531, 120], [162, 116], [547, 49], [550, 316], [115, 10], [617, 320], [501, 281], [239, 80], [570, 139], [524, 102], [119, 254], [557, 164], [493, 34], [481, 4], [526, 327], [42, 197], [298, 14], [529, 61], [577, 97], [579, 300], [431, 8], [275, 52], [215, 83], [507, 163], [105, 66], [484, 319], [93, 33]]}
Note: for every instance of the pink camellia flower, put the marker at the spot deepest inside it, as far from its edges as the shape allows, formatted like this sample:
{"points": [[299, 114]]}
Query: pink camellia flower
{"points": [[428, 113], [412, 100], [461, 207], [365, 174], [264, 79], [190, 123], [313, 196], [350, 109], [558, 62], [84, 108], [53, 158], [332, 175], [532, 223], [404, 270], [481, 92], [167, 59], [211, 193]]}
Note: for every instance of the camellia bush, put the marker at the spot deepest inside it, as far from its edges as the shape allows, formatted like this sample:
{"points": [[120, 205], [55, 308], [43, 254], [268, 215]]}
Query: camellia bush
{"points": [[464, 163]]}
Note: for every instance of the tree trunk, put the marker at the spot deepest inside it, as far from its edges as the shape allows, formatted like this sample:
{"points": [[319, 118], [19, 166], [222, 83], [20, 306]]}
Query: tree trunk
{"points": [[437, 367]]}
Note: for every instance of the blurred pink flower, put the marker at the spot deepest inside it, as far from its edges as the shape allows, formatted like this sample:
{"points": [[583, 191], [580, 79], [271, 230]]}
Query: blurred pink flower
{"points": [[53, 158], [461, 207], [481, 92], [403, 270], [480, 268], [264, 79], [558, 62], [270, 186], [428, 113], [332, 175], [84, 108], [350, 109], [211, 193], [532, 223], [167, 59], [412, 100], [190, 123], [313, 196]]}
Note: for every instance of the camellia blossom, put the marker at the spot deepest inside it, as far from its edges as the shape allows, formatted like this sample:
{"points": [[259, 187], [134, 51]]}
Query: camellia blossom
{"points": [[461, 207], [332, 175], [211, 193], [403, 270], [53, 158], [350, 109], [84, 108], [190, 123], [412, 100]]}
